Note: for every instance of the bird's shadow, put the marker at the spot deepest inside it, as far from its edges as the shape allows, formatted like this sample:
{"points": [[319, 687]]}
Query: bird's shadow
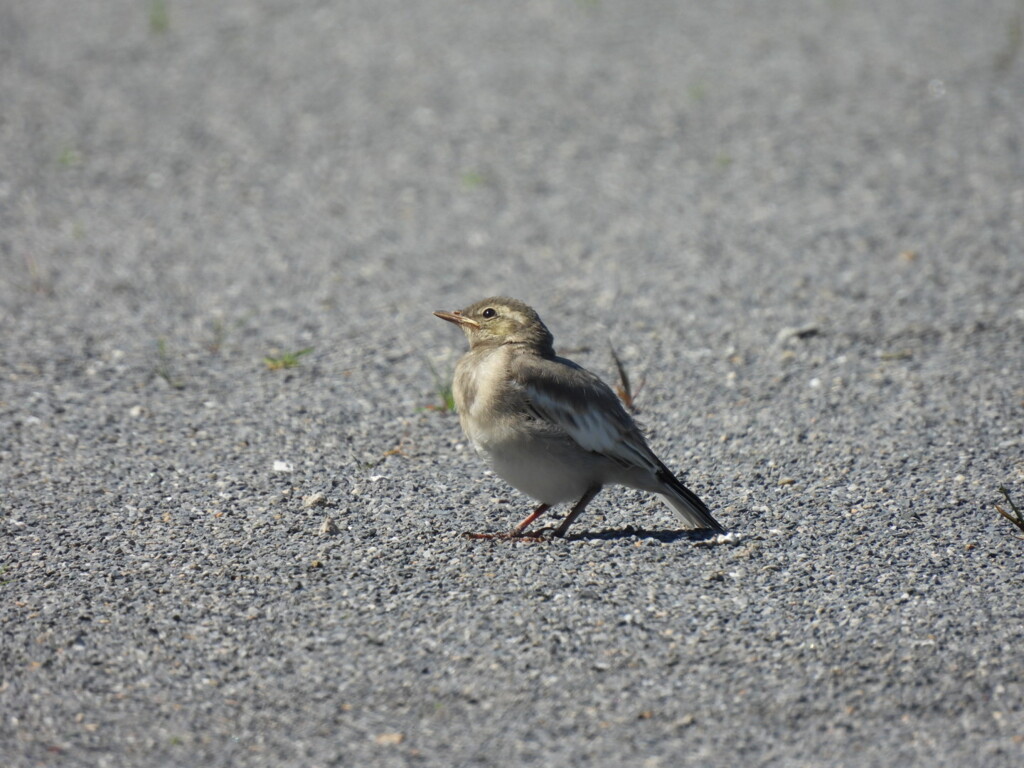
{"points": [[547, 534], [632, 532]]}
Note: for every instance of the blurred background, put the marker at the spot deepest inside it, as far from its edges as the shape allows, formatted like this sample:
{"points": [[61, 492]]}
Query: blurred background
{"points": [[266, 162]]}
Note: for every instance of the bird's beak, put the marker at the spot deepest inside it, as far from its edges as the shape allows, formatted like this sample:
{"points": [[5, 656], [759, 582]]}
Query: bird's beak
{"points": [[458, 318]]}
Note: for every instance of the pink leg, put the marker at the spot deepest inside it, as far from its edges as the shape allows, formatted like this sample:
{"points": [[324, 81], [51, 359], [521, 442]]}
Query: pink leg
{"points": [[521, 528], [576, 510], [519, 531]]}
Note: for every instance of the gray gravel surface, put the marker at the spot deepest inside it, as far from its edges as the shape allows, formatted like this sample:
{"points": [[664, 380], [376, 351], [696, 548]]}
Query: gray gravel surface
{"points": [[800, 223]]}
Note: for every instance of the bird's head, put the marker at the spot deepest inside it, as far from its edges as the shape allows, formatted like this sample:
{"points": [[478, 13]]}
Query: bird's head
{"points": [[498, 320]]}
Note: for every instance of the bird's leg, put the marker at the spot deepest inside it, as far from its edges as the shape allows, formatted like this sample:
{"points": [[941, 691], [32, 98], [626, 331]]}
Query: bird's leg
{"points": [[587, 497], [518, 532], [520, 529]]}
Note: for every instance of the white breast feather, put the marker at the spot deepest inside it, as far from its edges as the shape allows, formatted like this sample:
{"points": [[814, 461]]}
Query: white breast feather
{"points": [[488, 376]]}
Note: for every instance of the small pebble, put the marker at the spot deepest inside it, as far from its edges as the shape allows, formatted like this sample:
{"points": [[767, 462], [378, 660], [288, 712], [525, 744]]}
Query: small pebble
{"points": [[317, 499]]}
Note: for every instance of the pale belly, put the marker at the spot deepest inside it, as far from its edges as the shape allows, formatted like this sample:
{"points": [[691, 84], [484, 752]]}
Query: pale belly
{"points": [[543, 471]]}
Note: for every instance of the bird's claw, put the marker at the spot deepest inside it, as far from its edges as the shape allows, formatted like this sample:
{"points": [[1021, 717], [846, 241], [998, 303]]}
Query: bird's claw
{"points": [[513, 535]]}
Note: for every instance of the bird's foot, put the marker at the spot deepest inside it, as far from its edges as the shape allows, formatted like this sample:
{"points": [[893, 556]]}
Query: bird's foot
{"points": [[513, 535]]}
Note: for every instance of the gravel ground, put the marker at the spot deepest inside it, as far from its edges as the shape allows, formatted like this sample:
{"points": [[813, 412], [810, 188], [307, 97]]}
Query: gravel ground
{"points": [[800, 224]]}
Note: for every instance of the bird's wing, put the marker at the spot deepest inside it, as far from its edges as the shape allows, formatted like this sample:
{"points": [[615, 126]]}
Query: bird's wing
{"points": [[574, 401], [577, 402]]}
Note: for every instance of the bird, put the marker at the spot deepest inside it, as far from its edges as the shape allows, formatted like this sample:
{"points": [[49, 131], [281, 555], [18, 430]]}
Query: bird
{"points": [[547, 426]]}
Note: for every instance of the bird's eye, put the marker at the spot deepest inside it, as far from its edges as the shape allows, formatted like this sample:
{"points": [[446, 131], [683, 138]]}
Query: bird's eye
{"points": [[489, 313]]}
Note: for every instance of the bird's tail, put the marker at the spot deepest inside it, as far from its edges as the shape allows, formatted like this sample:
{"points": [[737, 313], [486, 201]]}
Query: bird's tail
{"points": [[691, 510]]}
